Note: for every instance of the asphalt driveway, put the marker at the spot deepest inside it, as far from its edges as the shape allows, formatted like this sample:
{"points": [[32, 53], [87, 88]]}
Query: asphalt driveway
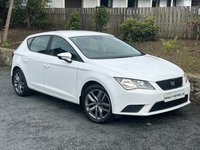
{"points": [[42, 122]]}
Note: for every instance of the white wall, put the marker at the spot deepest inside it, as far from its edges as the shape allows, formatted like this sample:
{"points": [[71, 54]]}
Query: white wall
{"points": [[188, 2], [179, 2], [163, 3], [183, 2], [119, 3], [90, 3], [143, 3], [57, 4]]}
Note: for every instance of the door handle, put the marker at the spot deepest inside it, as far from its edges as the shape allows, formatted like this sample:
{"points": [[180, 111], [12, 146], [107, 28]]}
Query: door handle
{"points": [[25, 60], [46, 65]]}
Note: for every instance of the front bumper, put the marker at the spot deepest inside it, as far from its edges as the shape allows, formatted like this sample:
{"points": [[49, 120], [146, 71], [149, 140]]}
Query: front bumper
{"points": [[143, 102]]}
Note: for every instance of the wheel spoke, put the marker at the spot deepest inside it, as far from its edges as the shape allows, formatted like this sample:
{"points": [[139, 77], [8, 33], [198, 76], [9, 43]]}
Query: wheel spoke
{"points": [[105, 105], [104, 109], [91, 109], [99, 95], [91, 98], [96, 112], [93, 95], [100, 113], [17, 77], [91, 104], [103, 97], [19, 88]]}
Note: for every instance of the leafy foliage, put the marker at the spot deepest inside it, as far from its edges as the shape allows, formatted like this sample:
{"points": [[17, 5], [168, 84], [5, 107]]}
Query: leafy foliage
{"points": [[32, 12], [74, 21], [5, 44], [4, 3], [194, 25], [101, 17], [168, 45], [1, 24], [136, 31]]}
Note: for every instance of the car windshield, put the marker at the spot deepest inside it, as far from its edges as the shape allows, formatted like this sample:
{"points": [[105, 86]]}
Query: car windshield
{"points": [[101, 47]]}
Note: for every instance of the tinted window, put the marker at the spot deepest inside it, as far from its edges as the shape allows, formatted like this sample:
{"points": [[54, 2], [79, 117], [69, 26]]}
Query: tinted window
{"points": [[99, 47], [29, 42], [39, 44], [59, 45]]}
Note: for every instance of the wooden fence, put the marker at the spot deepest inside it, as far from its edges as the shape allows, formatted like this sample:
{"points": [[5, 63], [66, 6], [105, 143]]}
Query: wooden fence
{"points": [[171, 19]]}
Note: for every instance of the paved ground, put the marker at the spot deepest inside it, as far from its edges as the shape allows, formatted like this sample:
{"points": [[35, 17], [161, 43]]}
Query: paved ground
{"points": [[43, 122]]}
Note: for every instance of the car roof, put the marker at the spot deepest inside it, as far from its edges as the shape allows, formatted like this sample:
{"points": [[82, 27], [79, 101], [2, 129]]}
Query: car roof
{"points": [[69, 33]]}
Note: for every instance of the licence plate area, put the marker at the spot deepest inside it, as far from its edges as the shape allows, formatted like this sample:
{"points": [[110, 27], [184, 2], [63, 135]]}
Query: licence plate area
{"points": [[174, 95]]}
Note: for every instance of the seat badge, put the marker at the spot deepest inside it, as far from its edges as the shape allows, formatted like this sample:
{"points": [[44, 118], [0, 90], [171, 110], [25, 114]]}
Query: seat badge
{"points": [[172, 83]]}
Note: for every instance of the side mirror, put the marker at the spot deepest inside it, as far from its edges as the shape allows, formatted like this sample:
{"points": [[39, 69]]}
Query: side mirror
{"points": [[65, 56]]}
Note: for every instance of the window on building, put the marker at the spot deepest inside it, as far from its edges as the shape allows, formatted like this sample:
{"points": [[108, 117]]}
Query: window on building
{"points": [[132, 3], [106, 3], [155, 3], [195, 3]]}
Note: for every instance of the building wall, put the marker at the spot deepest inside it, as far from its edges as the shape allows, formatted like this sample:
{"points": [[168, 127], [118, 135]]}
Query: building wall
{"points": [[163, 3], [119, 3], [183, 2], [188, 2], [57, 4], [179, 2], [143, 3], [89, 3]]}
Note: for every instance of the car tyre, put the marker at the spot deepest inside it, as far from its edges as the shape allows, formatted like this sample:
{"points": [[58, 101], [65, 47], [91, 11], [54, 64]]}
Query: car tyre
{"points": [[96, 104], [20, 84]]}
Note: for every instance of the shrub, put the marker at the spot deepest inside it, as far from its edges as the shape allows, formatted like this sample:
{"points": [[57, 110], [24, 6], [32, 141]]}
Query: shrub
{"points": [[168, 45], [5, 44], [194, 25], [73, 22], [136, 31], [100, 18]]}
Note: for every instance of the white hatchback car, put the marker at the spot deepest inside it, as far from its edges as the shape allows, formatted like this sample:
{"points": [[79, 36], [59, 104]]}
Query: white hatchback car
{"points": [[103, 74]]}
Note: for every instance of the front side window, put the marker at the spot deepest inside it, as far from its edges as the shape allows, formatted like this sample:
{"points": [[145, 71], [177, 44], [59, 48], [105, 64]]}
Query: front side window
{"points": [[101, 47], [60, 45], [39, 44]]}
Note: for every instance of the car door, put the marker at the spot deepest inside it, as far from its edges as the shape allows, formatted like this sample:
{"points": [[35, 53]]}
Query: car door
{"points": [[60, 76], [33, 61]]}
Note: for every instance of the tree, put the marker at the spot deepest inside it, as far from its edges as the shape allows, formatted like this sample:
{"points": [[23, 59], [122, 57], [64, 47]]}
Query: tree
{"points": [[31, 12], [8, 21], [4, 4]]}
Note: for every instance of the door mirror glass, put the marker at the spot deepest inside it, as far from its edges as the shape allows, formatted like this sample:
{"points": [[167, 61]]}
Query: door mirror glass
{"points": [[65, 56]]}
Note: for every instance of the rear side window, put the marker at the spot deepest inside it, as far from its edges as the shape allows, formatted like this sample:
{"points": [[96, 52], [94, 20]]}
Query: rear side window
{"points": [[38, 44]]}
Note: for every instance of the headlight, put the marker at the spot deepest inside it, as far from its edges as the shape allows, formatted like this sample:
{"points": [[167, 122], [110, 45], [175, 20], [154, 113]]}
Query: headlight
{"points": [[130, 84], [185, 77]]}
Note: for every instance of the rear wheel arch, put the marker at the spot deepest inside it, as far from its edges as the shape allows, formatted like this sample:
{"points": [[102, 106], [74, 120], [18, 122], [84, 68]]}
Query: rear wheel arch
{"points": [[13, 70], [19, 82]]}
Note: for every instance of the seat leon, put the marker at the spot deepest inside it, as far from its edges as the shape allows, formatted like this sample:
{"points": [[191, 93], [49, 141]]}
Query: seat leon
{"points": [[100, 72]]}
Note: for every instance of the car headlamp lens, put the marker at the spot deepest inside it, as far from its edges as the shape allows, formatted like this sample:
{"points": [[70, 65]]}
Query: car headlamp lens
{"points": [[130, 84]]}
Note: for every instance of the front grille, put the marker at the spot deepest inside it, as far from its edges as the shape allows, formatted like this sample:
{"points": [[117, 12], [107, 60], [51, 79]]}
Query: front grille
{"points": [[170, 84], [164, 105]]}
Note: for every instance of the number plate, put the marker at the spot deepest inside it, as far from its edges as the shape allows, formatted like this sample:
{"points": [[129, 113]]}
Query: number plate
{"points": [[174, 95]]}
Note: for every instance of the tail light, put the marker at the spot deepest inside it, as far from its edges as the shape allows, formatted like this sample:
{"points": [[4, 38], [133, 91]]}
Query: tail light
{"points": [[12, 54]]}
